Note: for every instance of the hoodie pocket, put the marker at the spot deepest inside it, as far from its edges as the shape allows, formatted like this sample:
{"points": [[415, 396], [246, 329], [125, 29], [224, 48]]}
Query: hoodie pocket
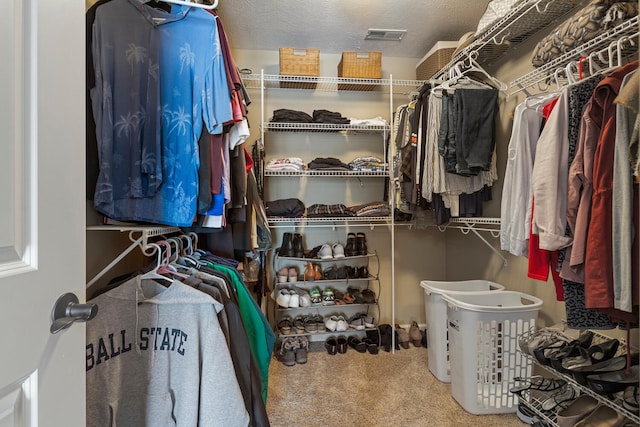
{"points": [[150, 410]]}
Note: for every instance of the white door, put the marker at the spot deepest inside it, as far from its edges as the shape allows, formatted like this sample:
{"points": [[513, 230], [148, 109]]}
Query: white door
{"points": [[42, 219]]}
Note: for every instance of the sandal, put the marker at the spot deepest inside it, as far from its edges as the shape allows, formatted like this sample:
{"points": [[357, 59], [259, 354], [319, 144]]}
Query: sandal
{"points": [[284, 326], [561, 398], [537, 382], [298, 324]]}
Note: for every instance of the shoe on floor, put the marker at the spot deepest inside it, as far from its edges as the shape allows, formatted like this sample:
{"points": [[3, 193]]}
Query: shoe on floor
{"points": [[403, 336], [355, 343], [331, 344], [342, 344], [286, 354], [302, 350], [414, 334]]}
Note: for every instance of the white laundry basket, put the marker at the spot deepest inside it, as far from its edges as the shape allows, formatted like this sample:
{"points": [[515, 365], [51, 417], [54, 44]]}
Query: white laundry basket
{"points": [[483, 347], [436, 315]]}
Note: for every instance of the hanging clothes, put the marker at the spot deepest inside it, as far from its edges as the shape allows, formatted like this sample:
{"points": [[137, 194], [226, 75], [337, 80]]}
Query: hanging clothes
{"points": [[159, 78], [625, 247], [598, 266], [516, 204], [156, 355]]}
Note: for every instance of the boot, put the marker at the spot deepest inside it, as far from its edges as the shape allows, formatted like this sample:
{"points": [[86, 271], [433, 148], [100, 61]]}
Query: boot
{"points": [[286, 249], [298, 250], [385, 336], [361, 244], [350, 248]]}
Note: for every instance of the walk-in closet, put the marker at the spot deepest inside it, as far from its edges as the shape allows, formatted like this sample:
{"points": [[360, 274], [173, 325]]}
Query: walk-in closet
{"points": [[320, 214]]}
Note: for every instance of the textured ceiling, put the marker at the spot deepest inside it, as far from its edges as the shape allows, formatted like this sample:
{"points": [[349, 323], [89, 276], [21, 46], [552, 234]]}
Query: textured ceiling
{"points": [[334, 26]]}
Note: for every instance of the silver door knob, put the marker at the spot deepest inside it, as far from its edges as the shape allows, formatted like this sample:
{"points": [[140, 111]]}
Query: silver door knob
{"points": [[67, 310]]}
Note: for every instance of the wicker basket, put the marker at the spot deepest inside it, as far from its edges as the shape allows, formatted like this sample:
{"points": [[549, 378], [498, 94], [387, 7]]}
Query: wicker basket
{"points": [[437, 57], [360, 65], [299, 62]]}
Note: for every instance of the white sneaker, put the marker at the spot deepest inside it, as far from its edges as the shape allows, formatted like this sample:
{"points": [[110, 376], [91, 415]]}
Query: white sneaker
{"points": [[305, 299], [325, 252], [283, 298], [292, 274], [331, 323], [338, 250], [294, 299], [341, 324]]}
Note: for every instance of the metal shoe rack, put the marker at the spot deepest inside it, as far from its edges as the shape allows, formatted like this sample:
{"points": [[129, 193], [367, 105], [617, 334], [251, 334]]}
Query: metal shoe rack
{"points": [[336, 284], [533, 400]]}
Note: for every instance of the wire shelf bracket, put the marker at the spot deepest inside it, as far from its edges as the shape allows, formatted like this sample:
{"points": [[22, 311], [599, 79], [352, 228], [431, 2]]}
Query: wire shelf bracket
{"points": [[139, 237]]}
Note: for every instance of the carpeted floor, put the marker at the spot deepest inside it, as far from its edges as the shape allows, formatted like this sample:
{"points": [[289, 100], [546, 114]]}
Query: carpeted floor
{"points": [[355, 389]]}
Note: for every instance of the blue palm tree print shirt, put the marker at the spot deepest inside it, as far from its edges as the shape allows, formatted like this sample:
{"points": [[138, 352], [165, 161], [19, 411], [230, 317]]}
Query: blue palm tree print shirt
{"points": [[159, 76]]}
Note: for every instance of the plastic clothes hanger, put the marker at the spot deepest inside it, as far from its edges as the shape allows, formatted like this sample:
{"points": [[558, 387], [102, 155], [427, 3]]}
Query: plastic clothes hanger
{"points": [[476, 68], [155, 273], [166, 267]]}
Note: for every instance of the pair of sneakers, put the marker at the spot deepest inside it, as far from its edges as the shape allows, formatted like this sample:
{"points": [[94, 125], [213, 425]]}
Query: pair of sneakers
{"points": [[317, 298], [336, 324], [291, 298], [287, 274], [293, 350], [328, 251]]}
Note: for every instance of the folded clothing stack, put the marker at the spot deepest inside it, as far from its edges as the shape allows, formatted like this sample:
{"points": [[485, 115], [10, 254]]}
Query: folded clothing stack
{"points": [[371, 209], [319, 211], [288, 208], [367, 163], [291, 164], [284, 115], [327, 163]]}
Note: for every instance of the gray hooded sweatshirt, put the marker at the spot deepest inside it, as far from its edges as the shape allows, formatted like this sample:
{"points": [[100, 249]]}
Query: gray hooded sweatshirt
{"points": [[156, 356]]}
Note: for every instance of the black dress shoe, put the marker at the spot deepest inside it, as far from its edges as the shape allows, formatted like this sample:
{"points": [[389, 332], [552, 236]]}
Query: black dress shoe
{"points": [[331, 344], [357, 345]]}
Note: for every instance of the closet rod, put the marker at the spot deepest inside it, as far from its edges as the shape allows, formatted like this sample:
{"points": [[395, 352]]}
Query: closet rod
{"points": [[628, 28], [194, 4]]}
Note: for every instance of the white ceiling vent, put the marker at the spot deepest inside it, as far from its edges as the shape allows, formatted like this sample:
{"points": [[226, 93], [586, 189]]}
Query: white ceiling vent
{"points": [[392, 35]]}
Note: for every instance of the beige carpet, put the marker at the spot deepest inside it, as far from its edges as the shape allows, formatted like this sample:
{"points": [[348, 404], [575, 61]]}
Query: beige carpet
{"points": [[355, 389]]}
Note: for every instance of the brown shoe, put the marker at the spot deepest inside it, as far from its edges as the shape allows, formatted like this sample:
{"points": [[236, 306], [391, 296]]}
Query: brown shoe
{"points": [[415, 335], [309, 272], [403, 336]]}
